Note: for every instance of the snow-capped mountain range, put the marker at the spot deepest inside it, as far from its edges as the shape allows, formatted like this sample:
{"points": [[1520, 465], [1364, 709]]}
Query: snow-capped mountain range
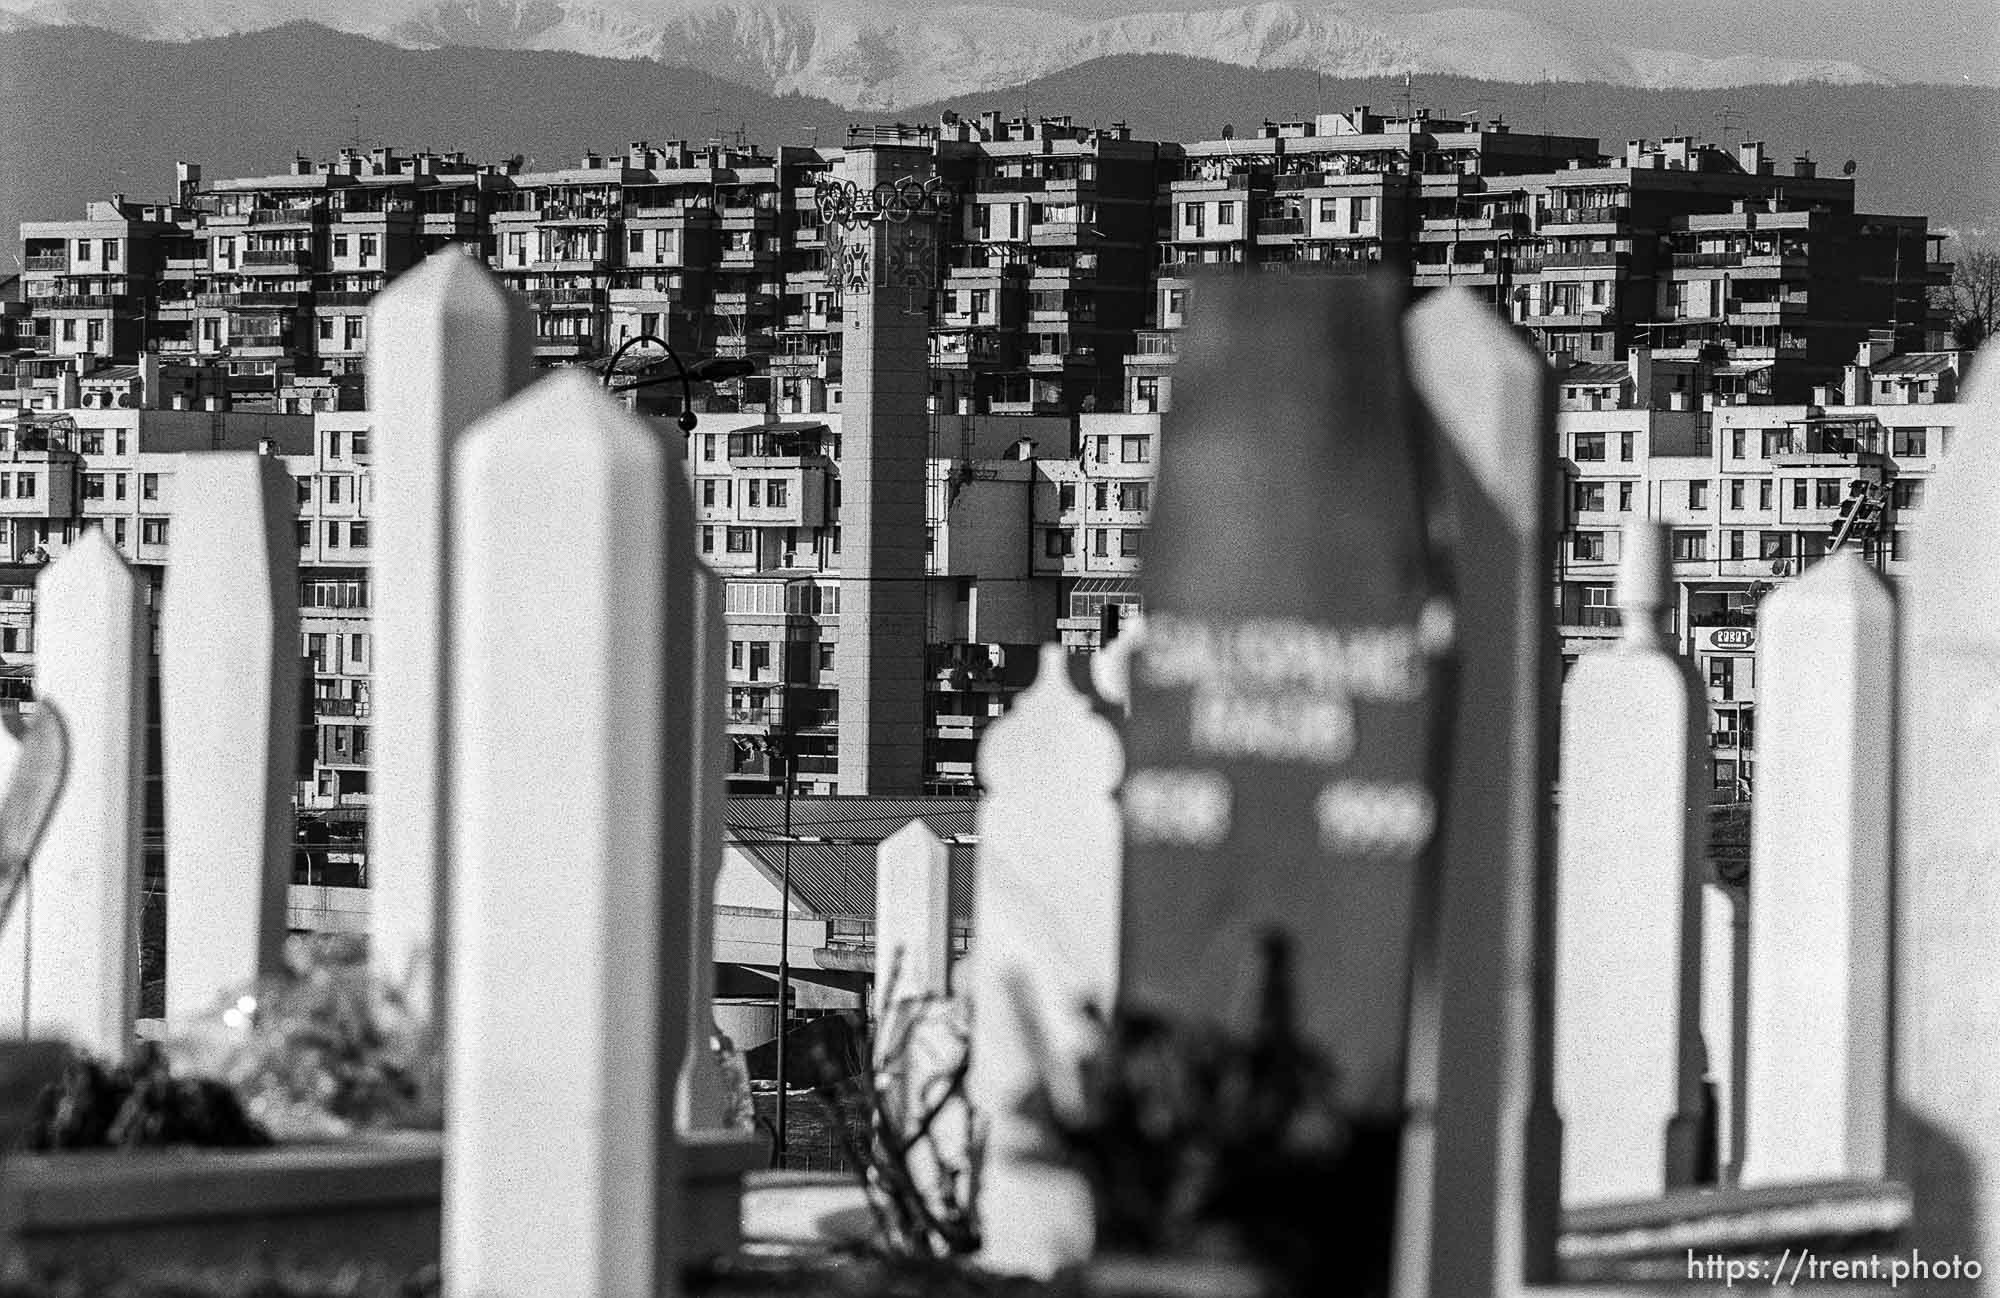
{"points": [[879, 56]]}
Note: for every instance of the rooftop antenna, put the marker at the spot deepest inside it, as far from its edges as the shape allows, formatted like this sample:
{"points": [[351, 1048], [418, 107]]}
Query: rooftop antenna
{"points": [[1409, 96], [1727, 124]]}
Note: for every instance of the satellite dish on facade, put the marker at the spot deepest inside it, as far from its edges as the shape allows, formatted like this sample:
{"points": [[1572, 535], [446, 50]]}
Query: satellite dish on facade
{"points": [[1848, 168]]}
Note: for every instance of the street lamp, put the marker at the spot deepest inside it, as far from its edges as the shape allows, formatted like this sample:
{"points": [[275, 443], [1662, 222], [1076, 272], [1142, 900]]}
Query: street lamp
{"points": [[706, 369], [780, 748]]}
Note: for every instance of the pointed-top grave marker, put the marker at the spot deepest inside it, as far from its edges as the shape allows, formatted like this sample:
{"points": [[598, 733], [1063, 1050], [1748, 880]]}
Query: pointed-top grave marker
{"points": [[449, 343], [1628, 846], [1284, 744]]}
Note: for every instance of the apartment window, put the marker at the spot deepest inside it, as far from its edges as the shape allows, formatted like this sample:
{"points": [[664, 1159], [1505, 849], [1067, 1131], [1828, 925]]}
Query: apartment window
{"points": [[333, 536], [118, 532], [1128, 542], [1589, 447], [110, 251], [1065, 497], [305, 486], [1736, 545], [1225, 214], [1907, 494], [69, 330], [1908, 442], [826, 657], [739, 540], [1587, 546], [1624, 497], [93, 486], [635, 241], [836, 536], [333, 490], [708, 540], [83, 250], [1725, 776], [1176, 301], [775, 493], [708, 447], [755, 497], [316, 650], [90, 442], [340, 245], [1588, 497], [760, 659], [1625, 447], [370, 246], [1722, 677], [1100, 542], [1364, 211], [1798, 493], [1764, 493], [1776, 441], [1132, 496], [1697, 495], [1826, 492], [118, 442], [1737, 439], [1774, 545], [1101, 496], [326, 328], [1899, 545], [1690, 545], [982, 301], [152, 531], [736, 655], [333, 443], [708, 493], [357, 536], [1329, 210], [1736, 493], [24, 486], [304, 533], [1135, 450], [358, 445], [1057, 543]]}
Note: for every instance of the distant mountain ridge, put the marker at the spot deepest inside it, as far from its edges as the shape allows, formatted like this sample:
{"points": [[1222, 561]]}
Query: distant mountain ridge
{"points": [[865, 54]]}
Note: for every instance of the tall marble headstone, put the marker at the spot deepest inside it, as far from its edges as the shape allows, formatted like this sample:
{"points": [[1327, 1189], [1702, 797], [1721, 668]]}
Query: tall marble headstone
{"points": [[1284, 746], [884, 269]]}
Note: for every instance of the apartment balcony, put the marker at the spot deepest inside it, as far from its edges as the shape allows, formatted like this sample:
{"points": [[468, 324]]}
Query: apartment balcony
{"points": [[342, 299], [340, 707], [1705, 260], [751, 259], [584, 298], [570, 263], [1582, 260], [300, 214], [744, 303], [288, 301], [58, 262], [1275, 227], [82, 302], [756, 721], [1058, 362], [277, 259], [1585, 216], [1238, 181]]}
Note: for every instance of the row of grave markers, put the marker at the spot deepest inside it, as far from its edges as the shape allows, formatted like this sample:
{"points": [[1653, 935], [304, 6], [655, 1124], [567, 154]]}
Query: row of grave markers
{"points": [[547, 816]]}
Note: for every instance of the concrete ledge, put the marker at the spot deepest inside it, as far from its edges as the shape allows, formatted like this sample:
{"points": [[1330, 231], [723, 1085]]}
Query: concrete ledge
{"points": [[373, 1199]]}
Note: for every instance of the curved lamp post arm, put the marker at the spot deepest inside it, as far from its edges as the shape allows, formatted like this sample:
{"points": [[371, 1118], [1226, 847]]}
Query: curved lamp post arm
{"points": [[687, 417]]}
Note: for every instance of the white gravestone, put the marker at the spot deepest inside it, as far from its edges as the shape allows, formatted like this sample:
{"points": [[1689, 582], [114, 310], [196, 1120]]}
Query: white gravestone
{"points": [[569, 846], [1944, 1137], [229, 713], [914, 1051], [1482, 1092], [703, 1100], [92, 646], [1629, 827], [1046, 942], [447, 344], [1818, 1107]]}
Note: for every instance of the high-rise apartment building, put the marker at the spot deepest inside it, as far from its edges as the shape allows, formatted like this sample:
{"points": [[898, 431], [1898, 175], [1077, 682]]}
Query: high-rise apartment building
{"points": [[1682, 291]]}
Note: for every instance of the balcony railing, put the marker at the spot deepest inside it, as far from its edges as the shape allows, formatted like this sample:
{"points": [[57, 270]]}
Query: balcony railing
{"points": [[287, 257], [49, 261], [288, 215], [1272, 226]]}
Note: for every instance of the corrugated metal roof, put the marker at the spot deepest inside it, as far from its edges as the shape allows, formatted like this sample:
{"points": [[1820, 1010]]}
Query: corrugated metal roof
{"points": [[837, 880], [867, 820], [1917, 363]]}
